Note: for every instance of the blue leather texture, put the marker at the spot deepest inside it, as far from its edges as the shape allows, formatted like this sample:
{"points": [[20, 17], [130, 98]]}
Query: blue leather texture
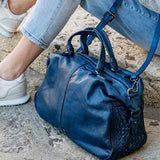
{"points": [[96, 105]]}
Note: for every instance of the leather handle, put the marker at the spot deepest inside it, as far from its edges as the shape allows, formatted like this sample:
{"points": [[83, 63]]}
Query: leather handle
{"points": [[105, 43]]}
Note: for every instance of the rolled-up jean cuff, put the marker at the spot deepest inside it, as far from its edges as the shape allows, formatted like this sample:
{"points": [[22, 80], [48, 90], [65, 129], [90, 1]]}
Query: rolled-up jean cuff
{"points": [[33, 38]]}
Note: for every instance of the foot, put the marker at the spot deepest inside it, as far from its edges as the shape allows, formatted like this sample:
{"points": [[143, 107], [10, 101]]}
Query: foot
{"points": [[9, 22], [13, 92]]}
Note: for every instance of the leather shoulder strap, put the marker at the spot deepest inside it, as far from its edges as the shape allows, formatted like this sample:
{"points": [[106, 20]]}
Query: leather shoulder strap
{"points": [[151, 51], [107, 17]]}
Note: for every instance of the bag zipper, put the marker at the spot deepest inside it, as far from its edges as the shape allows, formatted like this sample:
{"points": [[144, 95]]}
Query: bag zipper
{"points": [[122, 82]]}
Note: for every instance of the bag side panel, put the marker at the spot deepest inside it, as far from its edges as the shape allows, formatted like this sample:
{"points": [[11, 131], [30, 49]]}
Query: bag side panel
{"points": [[49, 98]]}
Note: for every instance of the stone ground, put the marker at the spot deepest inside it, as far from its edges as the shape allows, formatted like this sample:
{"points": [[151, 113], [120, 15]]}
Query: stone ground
{"points": [[25, 136]]}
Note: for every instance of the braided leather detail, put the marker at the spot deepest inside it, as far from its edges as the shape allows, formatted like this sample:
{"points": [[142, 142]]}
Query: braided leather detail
{"points": [[138, 139], [124, 141]]}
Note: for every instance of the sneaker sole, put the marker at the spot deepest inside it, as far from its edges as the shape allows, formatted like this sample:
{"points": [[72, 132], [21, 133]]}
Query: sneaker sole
{"points": [[15, 102], [6, 33]]}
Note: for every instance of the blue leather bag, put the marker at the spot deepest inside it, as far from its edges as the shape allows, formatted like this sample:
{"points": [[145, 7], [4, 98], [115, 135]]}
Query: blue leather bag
{"points": [[98, 105], [92, 104]]}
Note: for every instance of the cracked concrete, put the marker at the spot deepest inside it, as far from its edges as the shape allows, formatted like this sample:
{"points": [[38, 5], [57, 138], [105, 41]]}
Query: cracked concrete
{"points": [[25, 136]]}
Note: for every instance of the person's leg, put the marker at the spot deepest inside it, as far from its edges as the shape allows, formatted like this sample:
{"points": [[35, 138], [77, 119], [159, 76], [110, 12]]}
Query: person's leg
{"points": [[20, 6], [139, 25], [39, 31], [19, 59], [132, 20], [12, 12]]}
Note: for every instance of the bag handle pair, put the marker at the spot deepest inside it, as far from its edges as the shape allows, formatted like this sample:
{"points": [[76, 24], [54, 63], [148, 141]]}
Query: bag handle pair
{"points": [[105, 43]]}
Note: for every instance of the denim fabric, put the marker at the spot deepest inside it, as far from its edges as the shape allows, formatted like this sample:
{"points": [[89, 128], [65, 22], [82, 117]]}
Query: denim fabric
{"points": [[133, 20]]}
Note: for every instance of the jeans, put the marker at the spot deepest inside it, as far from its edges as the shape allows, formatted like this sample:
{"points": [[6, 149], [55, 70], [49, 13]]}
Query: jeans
{"points": [[48, 17]]}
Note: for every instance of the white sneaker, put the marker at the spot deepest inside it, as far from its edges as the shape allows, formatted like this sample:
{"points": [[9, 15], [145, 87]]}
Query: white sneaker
{"points": [[9, 22], [13, 92]]}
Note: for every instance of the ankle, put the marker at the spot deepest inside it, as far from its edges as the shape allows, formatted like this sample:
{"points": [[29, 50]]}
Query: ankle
{"points": [[8, 76], [15, 7]]}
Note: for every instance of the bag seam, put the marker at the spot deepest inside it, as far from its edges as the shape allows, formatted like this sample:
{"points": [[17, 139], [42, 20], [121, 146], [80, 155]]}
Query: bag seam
{"points": [[60, 123]]}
